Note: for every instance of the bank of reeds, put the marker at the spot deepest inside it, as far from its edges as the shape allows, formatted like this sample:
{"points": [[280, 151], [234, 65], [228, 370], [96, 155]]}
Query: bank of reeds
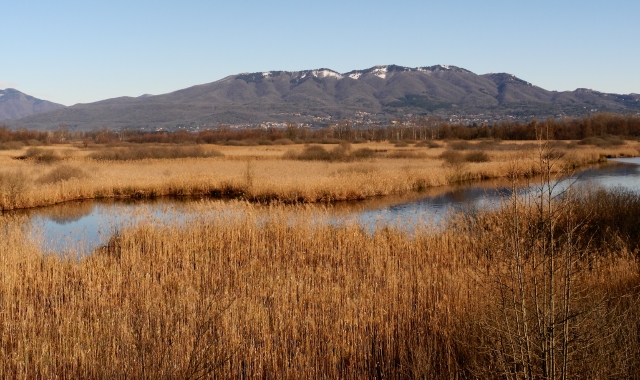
{"points": [[406, 153], [428, 144], [605, 141], [62, 173], [11, 145], [279, 294], [341, 153], [44, 155], [153, 152], [275, 175]]}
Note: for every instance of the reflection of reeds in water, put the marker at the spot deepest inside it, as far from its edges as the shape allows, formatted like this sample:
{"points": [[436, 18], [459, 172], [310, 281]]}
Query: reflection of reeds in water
{"points": [[65, 212], [242, 293]]}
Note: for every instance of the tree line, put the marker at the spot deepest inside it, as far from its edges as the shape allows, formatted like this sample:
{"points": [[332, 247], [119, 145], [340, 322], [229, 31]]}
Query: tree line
{"points": [[424, 128]]}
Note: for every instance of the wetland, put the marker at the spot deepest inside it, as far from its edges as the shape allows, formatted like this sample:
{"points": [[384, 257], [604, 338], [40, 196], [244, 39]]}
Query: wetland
{"points": [[444, 260]]}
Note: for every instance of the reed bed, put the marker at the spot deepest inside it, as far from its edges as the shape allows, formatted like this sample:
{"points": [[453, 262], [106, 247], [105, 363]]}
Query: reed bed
{"points": [[280, 294], [131, 153], [268, 173]]}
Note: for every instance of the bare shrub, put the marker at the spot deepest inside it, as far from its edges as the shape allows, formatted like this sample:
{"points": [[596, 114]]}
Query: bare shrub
{"points": [[62, 173], [238, 143], [514, 146], [406, 154], [120, 144], [324, 141], [488, 144], [460, 145], [330, 140], [452, 157], [603, 141], [342, 152], [154, 152], [428, 144], [545, 313], [11, 145], [401, 144], [477, 156], [44, 155], [283, 142], [33, 142], [310, 153], [362, 153]]}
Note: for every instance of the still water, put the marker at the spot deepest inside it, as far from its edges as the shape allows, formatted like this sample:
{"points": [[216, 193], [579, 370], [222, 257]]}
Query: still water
{"points": [[79, 227]]}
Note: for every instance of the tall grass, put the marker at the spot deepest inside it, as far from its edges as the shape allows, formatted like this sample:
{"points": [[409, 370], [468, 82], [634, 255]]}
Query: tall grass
{"points": [[416, 154], [428, 144], [547, 306], [603, 141], [153, 152], [12, 185], [242, 295], [63, 173], [11, 145], [45, 155], [277, 175], [342, 152]]}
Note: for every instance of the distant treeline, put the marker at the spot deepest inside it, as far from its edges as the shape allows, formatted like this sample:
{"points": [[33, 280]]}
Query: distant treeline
{"points": [[432, 128]]}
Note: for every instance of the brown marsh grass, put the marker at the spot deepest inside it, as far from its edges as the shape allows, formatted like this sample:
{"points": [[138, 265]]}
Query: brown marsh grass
{"points": [[153, 152], [273, 176], [11, 145], [46, 155], [242, 295], [62, 173], [428, 144]]}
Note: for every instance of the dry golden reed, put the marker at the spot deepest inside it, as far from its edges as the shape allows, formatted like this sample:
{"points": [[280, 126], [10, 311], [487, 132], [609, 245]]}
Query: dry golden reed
{"points": [[273, 177], [248, 292]]}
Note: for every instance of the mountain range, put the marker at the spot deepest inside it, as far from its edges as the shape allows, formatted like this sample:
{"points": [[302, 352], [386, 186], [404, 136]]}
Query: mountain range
{"points": [[377, 93], [15, 105]]}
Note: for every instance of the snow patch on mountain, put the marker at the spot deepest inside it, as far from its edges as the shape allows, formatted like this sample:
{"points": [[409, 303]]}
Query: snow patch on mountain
{"points": [[381, 71], [325, 73], [502, 79], [587, 91]]}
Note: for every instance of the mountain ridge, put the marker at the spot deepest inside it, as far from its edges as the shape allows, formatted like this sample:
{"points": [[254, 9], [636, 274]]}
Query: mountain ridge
{"points": [[15, 105], [381, 92]]}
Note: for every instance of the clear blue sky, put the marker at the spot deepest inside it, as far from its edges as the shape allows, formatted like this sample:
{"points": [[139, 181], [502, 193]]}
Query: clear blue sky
{"points": [[83, 51]]}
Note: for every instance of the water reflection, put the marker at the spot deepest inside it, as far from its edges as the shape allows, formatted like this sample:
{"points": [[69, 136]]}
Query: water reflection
{"points": [[81, 226], [67, 213]]}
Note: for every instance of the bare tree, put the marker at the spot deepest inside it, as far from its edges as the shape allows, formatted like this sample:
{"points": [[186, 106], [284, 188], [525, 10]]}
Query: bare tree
{"points": [[538, 321]]}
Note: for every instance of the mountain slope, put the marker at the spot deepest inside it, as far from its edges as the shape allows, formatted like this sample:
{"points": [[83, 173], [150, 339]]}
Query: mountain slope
{"points": [[384, 92], [15, 105]]}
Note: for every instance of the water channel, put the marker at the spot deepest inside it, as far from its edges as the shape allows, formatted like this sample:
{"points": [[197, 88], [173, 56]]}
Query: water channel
{"points": [[81, 226]]}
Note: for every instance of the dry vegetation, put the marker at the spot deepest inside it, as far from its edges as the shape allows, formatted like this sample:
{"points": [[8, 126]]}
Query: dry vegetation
{"points": [[153, 152], [544, 287], [286, 296], [36, 176]]}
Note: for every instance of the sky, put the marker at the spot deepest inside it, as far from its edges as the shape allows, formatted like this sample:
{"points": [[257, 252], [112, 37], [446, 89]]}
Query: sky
{"points": [[83, 51]]}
